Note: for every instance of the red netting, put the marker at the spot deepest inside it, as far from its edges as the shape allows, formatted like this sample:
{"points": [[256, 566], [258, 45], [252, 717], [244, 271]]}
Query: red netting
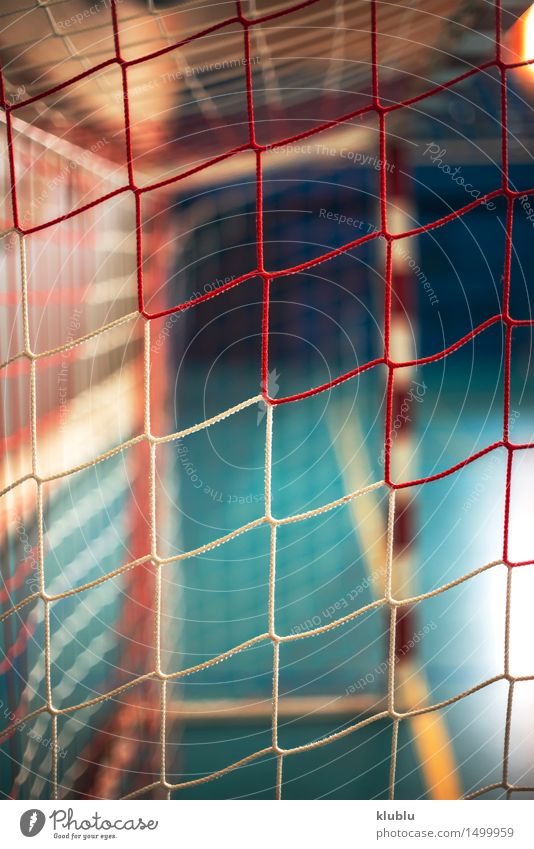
{"points": [[268, 277]]}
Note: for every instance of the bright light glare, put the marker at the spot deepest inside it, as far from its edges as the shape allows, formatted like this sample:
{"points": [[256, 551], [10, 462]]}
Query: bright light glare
{"points": [[521, 548], [518, 46], [527, 39]]}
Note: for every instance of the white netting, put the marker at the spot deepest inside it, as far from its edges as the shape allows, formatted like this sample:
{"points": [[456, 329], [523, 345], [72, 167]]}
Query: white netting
{"points": [[88, 423]]}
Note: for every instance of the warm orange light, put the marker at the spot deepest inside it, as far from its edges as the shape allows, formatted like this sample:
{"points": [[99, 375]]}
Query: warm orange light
{"points": [[527, 47], [519, 46]]}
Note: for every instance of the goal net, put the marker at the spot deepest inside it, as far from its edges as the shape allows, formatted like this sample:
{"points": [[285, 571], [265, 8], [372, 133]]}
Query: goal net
{"points": [[265, 348]]}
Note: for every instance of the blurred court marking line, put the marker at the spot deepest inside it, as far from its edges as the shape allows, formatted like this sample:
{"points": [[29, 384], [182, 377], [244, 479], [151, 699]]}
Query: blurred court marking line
{"points": [[429, 731]]}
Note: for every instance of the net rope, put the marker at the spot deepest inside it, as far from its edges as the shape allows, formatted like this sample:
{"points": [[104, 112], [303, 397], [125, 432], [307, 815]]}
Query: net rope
{"points": [[388, 601]]}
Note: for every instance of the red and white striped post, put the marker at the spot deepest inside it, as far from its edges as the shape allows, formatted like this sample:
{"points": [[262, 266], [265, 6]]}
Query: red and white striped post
{"points": [[402, 348]]}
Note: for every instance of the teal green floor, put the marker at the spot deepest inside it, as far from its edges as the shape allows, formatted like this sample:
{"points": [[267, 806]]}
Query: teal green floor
{"points": [[219, 599], [321, 575]]}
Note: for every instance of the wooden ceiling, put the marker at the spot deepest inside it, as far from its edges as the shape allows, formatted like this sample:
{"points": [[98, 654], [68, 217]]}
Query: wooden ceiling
{"points": [[190, 103]]}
